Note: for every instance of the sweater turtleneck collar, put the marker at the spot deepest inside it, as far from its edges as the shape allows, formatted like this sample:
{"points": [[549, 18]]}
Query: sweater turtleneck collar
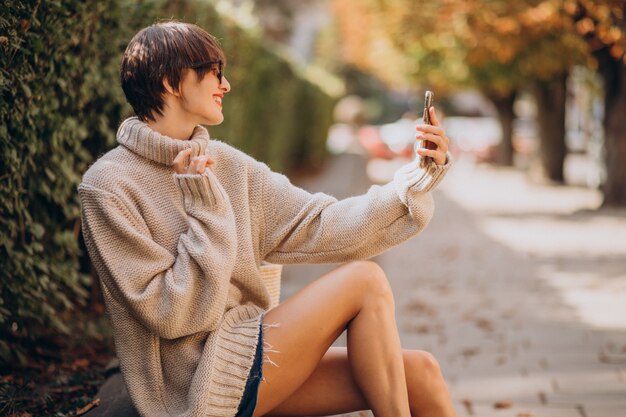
{"points": [[142, 140]]}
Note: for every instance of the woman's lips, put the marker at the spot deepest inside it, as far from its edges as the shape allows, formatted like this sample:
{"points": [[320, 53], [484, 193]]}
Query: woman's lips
{"points": [[218, 99]]}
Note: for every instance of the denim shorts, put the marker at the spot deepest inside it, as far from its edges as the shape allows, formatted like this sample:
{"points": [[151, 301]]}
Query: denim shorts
{"points": [[250, 393]]}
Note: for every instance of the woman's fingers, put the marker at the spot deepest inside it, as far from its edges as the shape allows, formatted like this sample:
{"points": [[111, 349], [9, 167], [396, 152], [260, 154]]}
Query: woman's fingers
{"points": [[438, 156], [193, 164], [196, 164], [205, 162], [436, 130], [179, 161], [433, 116], [199, 164], [440, 141], [436, 134]]}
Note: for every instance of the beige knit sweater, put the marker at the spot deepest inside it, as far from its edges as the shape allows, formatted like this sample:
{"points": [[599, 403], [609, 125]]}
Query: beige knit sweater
{"points": [[180, 257]]}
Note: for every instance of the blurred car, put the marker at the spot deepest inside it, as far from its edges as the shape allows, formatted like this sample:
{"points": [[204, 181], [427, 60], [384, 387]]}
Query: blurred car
{"points": [[477, 136], [388, 141]]}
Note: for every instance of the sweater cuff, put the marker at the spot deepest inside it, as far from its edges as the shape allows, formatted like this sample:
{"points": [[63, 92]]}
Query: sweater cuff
{"points": [[199, 189], [412, 177]]}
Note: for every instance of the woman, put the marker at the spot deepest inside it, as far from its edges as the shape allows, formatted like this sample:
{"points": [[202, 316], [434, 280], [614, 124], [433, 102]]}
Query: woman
{"points": [[178, 227]]}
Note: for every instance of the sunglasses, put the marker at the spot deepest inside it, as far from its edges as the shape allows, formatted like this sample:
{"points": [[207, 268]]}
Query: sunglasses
{"points": [[210, 64]]}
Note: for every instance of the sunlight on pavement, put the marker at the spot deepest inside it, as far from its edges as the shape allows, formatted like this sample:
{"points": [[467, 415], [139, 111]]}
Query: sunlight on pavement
{"points": [[542, 235], [578, 250], [599, 300], [492, 190]]}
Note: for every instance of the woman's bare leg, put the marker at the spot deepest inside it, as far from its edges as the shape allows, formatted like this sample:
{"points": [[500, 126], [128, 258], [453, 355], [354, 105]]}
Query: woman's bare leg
{"points": [[331, 389], [357, 297]]}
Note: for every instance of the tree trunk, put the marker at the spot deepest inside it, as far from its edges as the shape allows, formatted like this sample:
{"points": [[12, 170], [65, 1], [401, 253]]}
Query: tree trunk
{"points": [[550, 98], [613, 73], [614, 76], [506, 115]]}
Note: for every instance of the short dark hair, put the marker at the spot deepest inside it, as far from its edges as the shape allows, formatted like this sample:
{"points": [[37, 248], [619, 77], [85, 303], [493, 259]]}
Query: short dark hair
{"points": [[164, 50]]}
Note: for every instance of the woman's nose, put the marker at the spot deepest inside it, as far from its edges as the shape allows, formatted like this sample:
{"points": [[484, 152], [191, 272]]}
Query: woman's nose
{"points": [[225, 85]]}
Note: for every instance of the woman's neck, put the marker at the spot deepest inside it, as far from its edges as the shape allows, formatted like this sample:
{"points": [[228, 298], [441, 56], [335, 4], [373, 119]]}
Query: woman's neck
{"points": [[173, 127]]}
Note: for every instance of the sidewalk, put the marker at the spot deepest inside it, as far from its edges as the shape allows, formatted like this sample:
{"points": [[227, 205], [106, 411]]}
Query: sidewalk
{"points": [[520, 292]]}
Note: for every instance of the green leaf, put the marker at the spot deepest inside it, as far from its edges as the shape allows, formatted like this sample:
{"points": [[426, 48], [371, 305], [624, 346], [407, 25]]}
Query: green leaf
{"points": [[26, 89], [37, 230]]}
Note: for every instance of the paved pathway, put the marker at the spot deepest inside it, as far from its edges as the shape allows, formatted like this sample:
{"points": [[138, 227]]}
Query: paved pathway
{"points": [[518, 289]]}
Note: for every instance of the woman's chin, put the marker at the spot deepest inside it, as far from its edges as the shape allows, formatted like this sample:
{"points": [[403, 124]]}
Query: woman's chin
{"points": [[214, 121]]}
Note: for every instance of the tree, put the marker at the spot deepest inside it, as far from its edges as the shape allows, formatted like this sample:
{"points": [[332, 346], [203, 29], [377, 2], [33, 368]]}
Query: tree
{"points": [[522, 44], [601, 23]]}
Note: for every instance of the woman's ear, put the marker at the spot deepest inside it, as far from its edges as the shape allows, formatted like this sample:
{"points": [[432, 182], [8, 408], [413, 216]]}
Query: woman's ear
{"points": [[169, 89]]}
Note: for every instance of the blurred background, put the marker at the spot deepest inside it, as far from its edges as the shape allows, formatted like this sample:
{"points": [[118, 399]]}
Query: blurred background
{"points": [[532, 94]]}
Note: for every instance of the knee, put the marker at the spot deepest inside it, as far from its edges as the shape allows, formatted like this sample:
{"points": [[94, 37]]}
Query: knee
{"points": [[370, 278], [422, 370], [426, 386]]}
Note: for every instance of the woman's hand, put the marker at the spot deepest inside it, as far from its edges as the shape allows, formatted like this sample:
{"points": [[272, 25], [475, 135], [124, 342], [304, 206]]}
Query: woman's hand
{"points": [[433, 133], [197, 164]]}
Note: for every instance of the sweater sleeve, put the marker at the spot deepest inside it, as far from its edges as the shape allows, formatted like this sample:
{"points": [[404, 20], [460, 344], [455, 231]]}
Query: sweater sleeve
{"points": [[307, 228], [171, 294], [413, 179]]}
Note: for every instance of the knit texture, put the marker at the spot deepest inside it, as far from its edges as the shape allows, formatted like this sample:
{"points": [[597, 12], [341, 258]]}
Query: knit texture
{"points": [[182, 259], [418, 178], [271, 274]]}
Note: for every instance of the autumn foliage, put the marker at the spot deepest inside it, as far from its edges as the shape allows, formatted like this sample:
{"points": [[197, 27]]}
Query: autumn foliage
{"points": [[499, 47]]}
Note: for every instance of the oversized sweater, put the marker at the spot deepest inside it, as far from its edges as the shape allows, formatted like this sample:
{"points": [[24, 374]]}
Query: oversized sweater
{"points": [[180, 257]]}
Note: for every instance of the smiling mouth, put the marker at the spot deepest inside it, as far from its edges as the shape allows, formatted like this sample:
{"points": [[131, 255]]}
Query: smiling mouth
{"points": [[218, 100]]}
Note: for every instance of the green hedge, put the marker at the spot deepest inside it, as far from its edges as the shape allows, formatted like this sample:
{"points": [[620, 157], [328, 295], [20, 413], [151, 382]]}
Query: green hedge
{"points": [[61, 105]]}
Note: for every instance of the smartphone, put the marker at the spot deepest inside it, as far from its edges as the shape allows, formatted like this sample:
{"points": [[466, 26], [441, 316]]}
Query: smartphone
{"points": [[428, 103]]}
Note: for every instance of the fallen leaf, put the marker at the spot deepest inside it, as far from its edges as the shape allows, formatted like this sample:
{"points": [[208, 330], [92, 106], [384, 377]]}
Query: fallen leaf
{"points": [[543, 398], [95, 403], [469, 352], [421, 308], [468, 407], [484, 324], [422, 329], [501, 405], [80, 363]]}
